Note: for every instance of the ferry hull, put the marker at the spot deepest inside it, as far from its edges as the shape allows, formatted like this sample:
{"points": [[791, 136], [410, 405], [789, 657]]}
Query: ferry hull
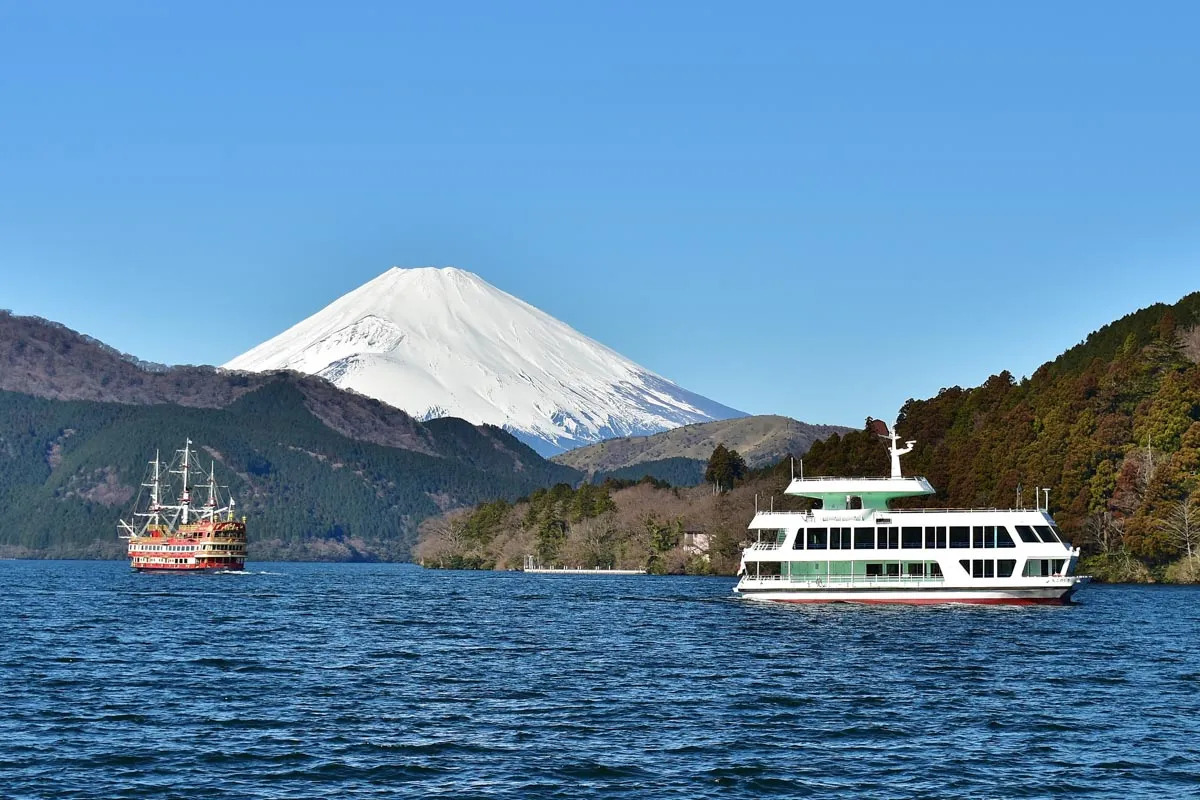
{"points": [[1054, 595], [233, 566]]}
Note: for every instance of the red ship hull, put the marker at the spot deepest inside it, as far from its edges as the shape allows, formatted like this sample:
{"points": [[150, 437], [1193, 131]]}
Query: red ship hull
{"points": [[209, 546]]}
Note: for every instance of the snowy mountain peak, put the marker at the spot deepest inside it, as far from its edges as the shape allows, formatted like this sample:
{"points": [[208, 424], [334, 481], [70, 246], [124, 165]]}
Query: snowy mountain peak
{"points": [[444, 342]]}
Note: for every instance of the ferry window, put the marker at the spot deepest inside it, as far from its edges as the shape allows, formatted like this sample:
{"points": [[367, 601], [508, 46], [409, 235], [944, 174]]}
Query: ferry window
{"points": [[1002, 537], [817, 538], [1056, 565], [1005, 567], [892, 570], [977, 537], [930, 538], [889, 538], [874, 570], [960, 536], [977, 568], [855, 502], [1037, 568], [916, 569], [799, 543], [966, 565], [770, 568], [1045, 532], [1026, 533], [935, 569], [839, 538], [910, 538], [989, 568], [864, 538]]}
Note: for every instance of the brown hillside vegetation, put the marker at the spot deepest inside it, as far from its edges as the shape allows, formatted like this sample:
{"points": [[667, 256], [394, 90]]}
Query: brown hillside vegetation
{"points": [[646, 525]]}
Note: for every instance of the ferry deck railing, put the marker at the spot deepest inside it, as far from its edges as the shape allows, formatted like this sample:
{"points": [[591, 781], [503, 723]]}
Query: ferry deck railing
{"points": [[824, 580], [844, 478], [869, 511]]}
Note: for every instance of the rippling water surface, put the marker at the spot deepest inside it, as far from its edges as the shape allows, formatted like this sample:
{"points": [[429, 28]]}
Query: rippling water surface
{"points": [[357, 681]]}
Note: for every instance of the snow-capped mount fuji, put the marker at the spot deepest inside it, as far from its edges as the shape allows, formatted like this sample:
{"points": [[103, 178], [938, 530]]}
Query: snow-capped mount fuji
{"points": [[445, 342]]}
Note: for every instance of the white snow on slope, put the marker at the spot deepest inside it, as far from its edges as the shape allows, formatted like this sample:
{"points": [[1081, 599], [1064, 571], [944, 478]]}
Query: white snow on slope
{"points": [[444, 342]]}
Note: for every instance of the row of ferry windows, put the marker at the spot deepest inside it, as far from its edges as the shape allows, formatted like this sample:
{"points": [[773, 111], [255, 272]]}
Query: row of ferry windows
{"points": [[975, 567], [159, 548], [914, 538], [1003, 568]]}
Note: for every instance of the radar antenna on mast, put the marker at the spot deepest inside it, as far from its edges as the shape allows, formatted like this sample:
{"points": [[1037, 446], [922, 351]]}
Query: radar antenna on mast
{"points": [[895, 451]]}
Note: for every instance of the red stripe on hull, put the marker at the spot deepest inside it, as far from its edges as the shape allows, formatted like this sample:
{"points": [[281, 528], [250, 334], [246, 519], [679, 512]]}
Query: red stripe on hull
{"points": [[981, 601], [235, 567]]}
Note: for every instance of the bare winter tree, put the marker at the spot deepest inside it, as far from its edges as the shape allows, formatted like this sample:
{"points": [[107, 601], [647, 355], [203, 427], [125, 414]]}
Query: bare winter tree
{"points": [[442, 536], [1182, 522], [1189, 341], [1148, 463], [1104, 531]]}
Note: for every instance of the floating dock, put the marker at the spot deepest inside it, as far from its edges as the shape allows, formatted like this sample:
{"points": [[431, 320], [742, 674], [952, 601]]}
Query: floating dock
{"points": [[581, 571]]}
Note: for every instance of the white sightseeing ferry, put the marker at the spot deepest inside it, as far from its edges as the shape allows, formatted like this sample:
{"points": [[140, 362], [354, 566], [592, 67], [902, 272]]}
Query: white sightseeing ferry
{"points": [[855, 549]]}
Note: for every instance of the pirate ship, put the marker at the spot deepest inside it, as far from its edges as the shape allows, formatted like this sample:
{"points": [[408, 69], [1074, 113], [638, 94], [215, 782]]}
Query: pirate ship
{"points": [[186, 521]]}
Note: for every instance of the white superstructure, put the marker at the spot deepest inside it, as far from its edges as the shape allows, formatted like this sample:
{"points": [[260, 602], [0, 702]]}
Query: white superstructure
{"points": [[855, 549]]}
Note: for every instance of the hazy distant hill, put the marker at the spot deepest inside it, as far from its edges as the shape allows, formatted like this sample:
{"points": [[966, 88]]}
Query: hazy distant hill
{"points": [[323, 473], [761, 440]]}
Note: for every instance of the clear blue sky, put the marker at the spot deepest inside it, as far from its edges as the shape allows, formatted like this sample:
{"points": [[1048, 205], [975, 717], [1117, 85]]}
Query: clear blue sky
{"points": [[817, 210]]}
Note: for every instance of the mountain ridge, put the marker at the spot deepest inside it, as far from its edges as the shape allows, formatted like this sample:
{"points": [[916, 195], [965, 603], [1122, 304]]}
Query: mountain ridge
{"points": [[761, 440]]}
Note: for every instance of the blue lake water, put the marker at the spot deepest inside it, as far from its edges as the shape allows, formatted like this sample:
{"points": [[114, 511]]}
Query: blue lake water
{"points": [[377, 681]]}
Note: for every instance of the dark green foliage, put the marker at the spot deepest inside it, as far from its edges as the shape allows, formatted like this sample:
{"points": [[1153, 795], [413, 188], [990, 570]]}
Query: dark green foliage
{"points": [[856, 453], [676, 471], [481, 526], [616, 484], [725, 467], [304, 486]]}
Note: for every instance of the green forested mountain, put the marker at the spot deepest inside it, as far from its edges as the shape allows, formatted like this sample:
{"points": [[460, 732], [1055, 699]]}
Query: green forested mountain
{"points": [[1112, 427], [321, 473], [69, 469]]}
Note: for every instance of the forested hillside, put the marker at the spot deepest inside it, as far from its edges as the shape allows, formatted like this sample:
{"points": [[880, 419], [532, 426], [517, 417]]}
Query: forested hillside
{"points": [[69, 469], [1111, 427], [323, 473]]}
